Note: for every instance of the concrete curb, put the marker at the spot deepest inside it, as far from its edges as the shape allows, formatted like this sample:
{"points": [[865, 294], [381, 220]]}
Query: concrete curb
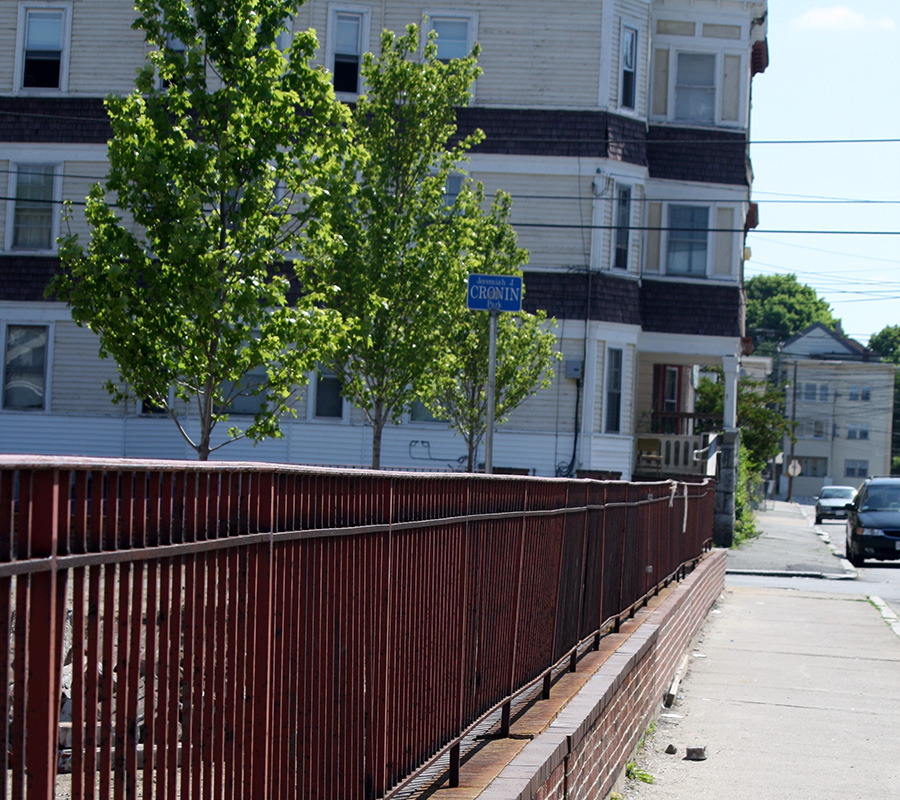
{"points": [[783, 573], [887, 613]]}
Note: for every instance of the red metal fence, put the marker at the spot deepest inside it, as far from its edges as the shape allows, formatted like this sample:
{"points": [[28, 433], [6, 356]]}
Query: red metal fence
{"points": [[250, 631]]}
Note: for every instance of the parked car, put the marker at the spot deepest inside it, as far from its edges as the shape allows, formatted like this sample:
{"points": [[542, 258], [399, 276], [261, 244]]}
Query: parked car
{"points": [[873, 525], [832, 502]]}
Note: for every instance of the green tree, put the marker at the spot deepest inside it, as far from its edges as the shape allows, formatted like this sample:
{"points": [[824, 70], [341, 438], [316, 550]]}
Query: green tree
{"points": [[778, 307], [210, 156], [526, 344], [400, 261], [759, 417], [886, 344]]}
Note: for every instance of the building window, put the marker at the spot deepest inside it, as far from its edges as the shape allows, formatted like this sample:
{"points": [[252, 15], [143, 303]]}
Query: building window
{"points": [[818, 429], [623, 223], [329, 403], [687, 240], [810, 390], [629, 67], [452, 188], [614, 390], [863, 393], [811, 467], [246, 396], [453, 37], [348, 35], [858, 430], [42, 54], [25, 367], [856, 469], [823, 392], [419, 412], [695, 87], [33, 212]]}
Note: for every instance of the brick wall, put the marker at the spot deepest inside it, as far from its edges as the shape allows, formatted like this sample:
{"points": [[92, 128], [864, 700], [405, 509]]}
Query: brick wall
{"points": [[584, 750]]}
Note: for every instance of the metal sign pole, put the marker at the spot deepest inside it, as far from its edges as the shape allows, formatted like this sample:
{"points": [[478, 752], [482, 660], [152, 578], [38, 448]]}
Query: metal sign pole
{"points": [[492, 370]]}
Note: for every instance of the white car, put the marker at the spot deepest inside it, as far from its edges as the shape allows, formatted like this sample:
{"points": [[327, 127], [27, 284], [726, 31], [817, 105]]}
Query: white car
{"points": [[832, 502]]}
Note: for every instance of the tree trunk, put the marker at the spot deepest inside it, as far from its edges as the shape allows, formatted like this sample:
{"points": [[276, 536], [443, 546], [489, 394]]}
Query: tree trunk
{"points": [[377, 428]]}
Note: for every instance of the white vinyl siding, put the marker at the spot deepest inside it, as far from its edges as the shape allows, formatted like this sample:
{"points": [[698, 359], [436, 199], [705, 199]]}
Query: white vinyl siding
{"points": [[79, 373]]}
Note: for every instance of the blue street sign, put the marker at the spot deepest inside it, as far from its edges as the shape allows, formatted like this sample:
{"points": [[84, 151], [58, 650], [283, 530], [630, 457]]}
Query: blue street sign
{"points": [[494, 293]]}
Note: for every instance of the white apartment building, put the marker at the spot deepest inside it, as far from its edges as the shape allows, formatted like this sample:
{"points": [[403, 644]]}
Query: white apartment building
{"points": [[619, 127], [841, 399]]}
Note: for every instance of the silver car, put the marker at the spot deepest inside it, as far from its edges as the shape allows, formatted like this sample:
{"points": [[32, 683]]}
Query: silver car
{"points": [[832, 502]]}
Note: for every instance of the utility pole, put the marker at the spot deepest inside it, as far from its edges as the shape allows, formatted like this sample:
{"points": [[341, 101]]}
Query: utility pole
{"points": [[790, 470]]}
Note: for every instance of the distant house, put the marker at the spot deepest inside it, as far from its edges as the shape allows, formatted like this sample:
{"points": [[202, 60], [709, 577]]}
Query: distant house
{"points": [[619, 127], [841, 398]]}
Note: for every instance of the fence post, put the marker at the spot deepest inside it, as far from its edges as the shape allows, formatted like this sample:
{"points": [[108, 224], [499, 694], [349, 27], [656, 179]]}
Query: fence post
{"points": [[44, 645]]}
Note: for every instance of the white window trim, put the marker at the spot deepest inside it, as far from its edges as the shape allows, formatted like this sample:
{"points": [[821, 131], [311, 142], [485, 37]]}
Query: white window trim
{"points": [[365, 13], [48, 364], [634, 25], [11, 206], [471, 18], [311, 386], [24, 8]]}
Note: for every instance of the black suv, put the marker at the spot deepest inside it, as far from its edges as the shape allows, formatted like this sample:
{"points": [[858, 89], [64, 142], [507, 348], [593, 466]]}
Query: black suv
{"points": [[873, 524]]}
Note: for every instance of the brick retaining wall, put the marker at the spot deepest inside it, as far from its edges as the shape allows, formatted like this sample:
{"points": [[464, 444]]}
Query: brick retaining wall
{"points": [[584, 750]]}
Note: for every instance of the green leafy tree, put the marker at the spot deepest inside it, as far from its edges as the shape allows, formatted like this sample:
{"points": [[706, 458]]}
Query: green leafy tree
{"points": [[759, 417], [886, 344], [221, 156], [526, 344], [778, 307], [399, 266]]}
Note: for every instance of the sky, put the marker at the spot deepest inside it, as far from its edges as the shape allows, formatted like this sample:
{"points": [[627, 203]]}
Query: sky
{"points": [[834, 74]]}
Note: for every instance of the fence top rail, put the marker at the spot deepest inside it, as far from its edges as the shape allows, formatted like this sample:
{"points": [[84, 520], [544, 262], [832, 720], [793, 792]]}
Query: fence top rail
{"points": [[9, 462]]}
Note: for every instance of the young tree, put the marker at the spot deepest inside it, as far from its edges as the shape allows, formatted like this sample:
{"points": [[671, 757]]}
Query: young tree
{"points": [[526, 344], [778, 307], [759, 417], [399, 266], [218, 162]]}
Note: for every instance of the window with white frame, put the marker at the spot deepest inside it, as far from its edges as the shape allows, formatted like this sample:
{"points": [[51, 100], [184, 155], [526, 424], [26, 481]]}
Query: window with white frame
{"points": [[452, 188], [823, 392], [818, 429], [623, 224], [455, 35], [810, 391], [42, 55], [25, 367], [347, 34], [33, 210], [628, 59], [329, 404], [858, 430], [695, 87], [854, 468], [857, 393], [613, 390], [246, 396], [688, 237]]}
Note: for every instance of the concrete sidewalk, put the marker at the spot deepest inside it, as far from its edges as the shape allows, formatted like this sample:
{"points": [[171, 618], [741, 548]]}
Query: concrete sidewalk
{"points": [[794, 694]]}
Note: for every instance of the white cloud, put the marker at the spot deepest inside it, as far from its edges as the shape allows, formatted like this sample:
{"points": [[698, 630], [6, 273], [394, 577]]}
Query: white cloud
{"points": [[840, 18]]}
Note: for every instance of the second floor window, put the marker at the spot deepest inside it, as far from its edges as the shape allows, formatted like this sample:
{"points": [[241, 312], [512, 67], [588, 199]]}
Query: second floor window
{"points": [[687, 240], [858, 430], [33, 212], [614, 391], [329, 403], [863, 393], [623, 223]]}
